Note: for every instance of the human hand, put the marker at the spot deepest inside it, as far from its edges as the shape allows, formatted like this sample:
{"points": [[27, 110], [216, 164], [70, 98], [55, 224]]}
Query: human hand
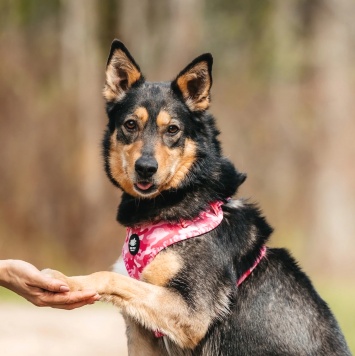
{"points": [[40, 289]]}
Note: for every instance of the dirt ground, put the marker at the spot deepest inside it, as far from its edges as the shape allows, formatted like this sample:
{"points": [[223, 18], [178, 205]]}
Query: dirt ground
{"points": [[94, 330]]}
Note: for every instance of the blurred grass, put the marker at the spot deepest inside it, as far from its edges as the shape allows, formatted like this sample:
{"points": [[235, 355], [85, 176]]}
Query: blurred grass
{"points": [[339, 295], [9, 296]]}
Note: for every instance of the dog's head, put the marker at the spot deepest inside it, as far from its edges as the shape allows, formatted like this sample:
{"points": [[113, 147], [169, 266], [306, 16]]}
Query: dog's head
{"points": [[151, 143]]}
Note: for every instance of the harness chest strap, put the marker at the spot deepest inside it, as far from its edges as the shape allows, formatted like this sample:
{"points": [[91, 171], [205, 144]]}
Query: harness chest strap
{"points": [[144, 242]]}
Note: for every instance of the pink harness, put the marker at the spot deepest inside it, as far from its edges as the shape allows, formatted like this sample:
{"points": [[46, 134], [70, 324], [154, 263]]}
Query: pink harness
{"points": [[144, 242]]}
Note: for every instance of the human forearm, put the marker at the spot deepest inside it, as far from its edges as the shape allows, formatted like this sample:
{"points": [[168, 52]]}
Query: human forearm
{"points": [[4, 273], [41, 290]]}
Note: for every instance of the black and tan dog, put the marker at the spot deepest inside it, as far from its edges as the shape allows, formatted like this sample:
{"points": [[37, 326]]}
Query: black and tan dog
{"points": [[221, 292]]}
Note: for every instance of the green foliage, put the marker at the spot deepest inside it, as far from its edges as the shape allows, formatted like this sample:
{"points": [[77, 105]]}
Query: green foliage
{"points": [[239, 29], [27, 13], [7, 295]]}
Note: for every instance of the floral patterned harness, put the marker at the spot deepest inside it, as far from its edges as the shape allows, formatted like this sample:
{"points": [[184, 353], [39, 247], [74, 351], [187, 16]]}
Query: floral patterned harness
{"points": [[144, 242]]}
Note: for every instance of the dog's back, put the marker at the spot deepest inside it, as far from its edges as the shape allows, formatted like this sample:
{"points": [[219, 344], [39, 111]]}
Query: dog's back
{"points": [[275, 311]]}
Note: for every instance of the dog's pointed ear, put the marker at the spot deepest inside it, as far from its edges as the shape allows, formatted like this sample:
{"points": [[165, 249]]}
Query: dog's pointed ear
{"points": [[121, 72], [194, 83]]}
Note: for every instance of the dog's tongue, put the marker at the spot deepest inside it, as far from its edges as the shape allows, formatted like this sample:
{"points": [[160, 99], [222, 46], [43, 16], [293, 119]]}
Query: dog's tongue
{"points": [[144, 186]]}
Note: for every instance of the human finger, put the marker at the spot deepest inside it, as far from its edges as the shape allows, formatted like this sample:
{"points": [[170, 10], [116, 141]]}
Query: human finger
{"points": [[53, 299], [50, 284], [74, 305], [56, 286]]}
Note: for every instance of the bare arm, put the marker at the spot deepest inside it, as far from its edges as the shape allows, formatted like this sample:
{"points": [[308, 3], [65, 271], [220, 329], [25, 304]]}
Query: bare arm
{"points": [[39, 289]]}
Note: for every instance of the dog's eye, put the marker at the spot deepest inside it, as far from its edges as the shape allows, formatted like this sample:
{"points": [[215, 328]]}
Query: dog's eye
{"points": [[173, 129], [130, 125]]}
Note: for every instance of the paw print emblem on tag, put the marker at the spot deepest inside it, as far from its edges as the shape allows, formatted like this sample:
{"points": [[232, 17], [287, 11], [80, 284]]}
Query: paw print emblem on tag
{"points": [[133, 244]]}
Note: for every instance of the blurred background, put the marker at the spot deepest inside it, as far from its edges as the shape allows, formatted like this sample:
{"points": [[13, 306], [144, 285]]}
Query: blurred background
{"points": [[284, 82]]}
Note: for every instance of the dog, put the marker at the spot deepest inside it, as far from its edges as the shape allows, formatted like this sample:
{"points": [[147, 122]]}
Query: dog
{"points": [[201, 279]]}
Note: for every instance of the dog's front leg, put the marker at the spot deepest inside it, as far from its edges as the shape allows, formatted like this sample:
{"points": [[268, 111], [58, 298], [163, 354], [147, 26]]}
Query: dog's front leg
{"points": [[157, 308], [141, 341]]}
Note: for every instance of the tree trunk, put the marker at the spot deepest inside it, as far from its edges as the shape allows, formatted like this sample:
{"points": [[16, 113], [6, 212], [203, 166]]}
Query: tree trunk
{"points": [[83, 70], [82, 78], [162, 36], [333, 198]]}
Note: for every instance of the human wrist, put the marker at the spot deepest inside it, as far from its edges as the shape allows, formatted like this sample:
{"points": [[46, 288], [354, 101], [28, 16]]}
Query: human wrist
{"points": [[5, 266]]}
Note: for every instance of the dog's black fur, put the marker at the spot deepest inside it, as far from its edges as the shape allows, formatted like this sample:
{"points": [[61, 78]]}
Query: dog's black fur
{"points": [[276, 310]]}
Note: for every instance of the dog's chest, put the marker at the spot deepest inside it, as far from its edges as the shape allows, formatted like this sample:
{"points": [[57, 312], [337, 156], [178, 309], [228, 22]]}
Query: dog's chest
{"points": [[143, 243]]}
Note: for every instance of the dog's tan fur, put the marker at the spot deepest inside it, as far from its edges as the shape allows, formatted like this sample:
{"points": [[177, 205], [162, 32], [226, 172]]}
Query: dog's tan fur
{"points": [[142, 114], [154, 306], [163, 118], [162, 269], [175, 163], [122, 158]]}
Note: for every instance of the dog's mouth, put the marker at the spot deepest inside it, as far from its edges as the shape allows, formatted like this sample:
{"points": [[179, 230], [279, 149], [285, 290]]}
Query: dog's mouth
{"points": [[145, 187]]}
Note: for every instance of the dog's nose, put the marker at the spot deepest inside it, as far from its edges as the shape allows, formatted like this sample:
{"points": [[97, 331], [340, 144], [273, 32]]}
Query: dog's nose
{"points": [[146, 166]]}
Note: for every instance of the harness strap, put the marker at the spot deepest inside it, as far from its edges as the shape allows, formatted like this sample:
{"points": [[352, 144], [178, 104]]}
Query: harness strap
{"points": [[251, 269], [144, 242]]}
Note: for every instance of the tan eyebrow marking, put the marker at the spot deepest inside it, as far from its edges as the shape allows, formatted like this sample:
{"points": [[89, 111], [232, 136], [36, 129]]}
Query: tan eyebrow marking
{"points": [[142, 114], [163, 118]]}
